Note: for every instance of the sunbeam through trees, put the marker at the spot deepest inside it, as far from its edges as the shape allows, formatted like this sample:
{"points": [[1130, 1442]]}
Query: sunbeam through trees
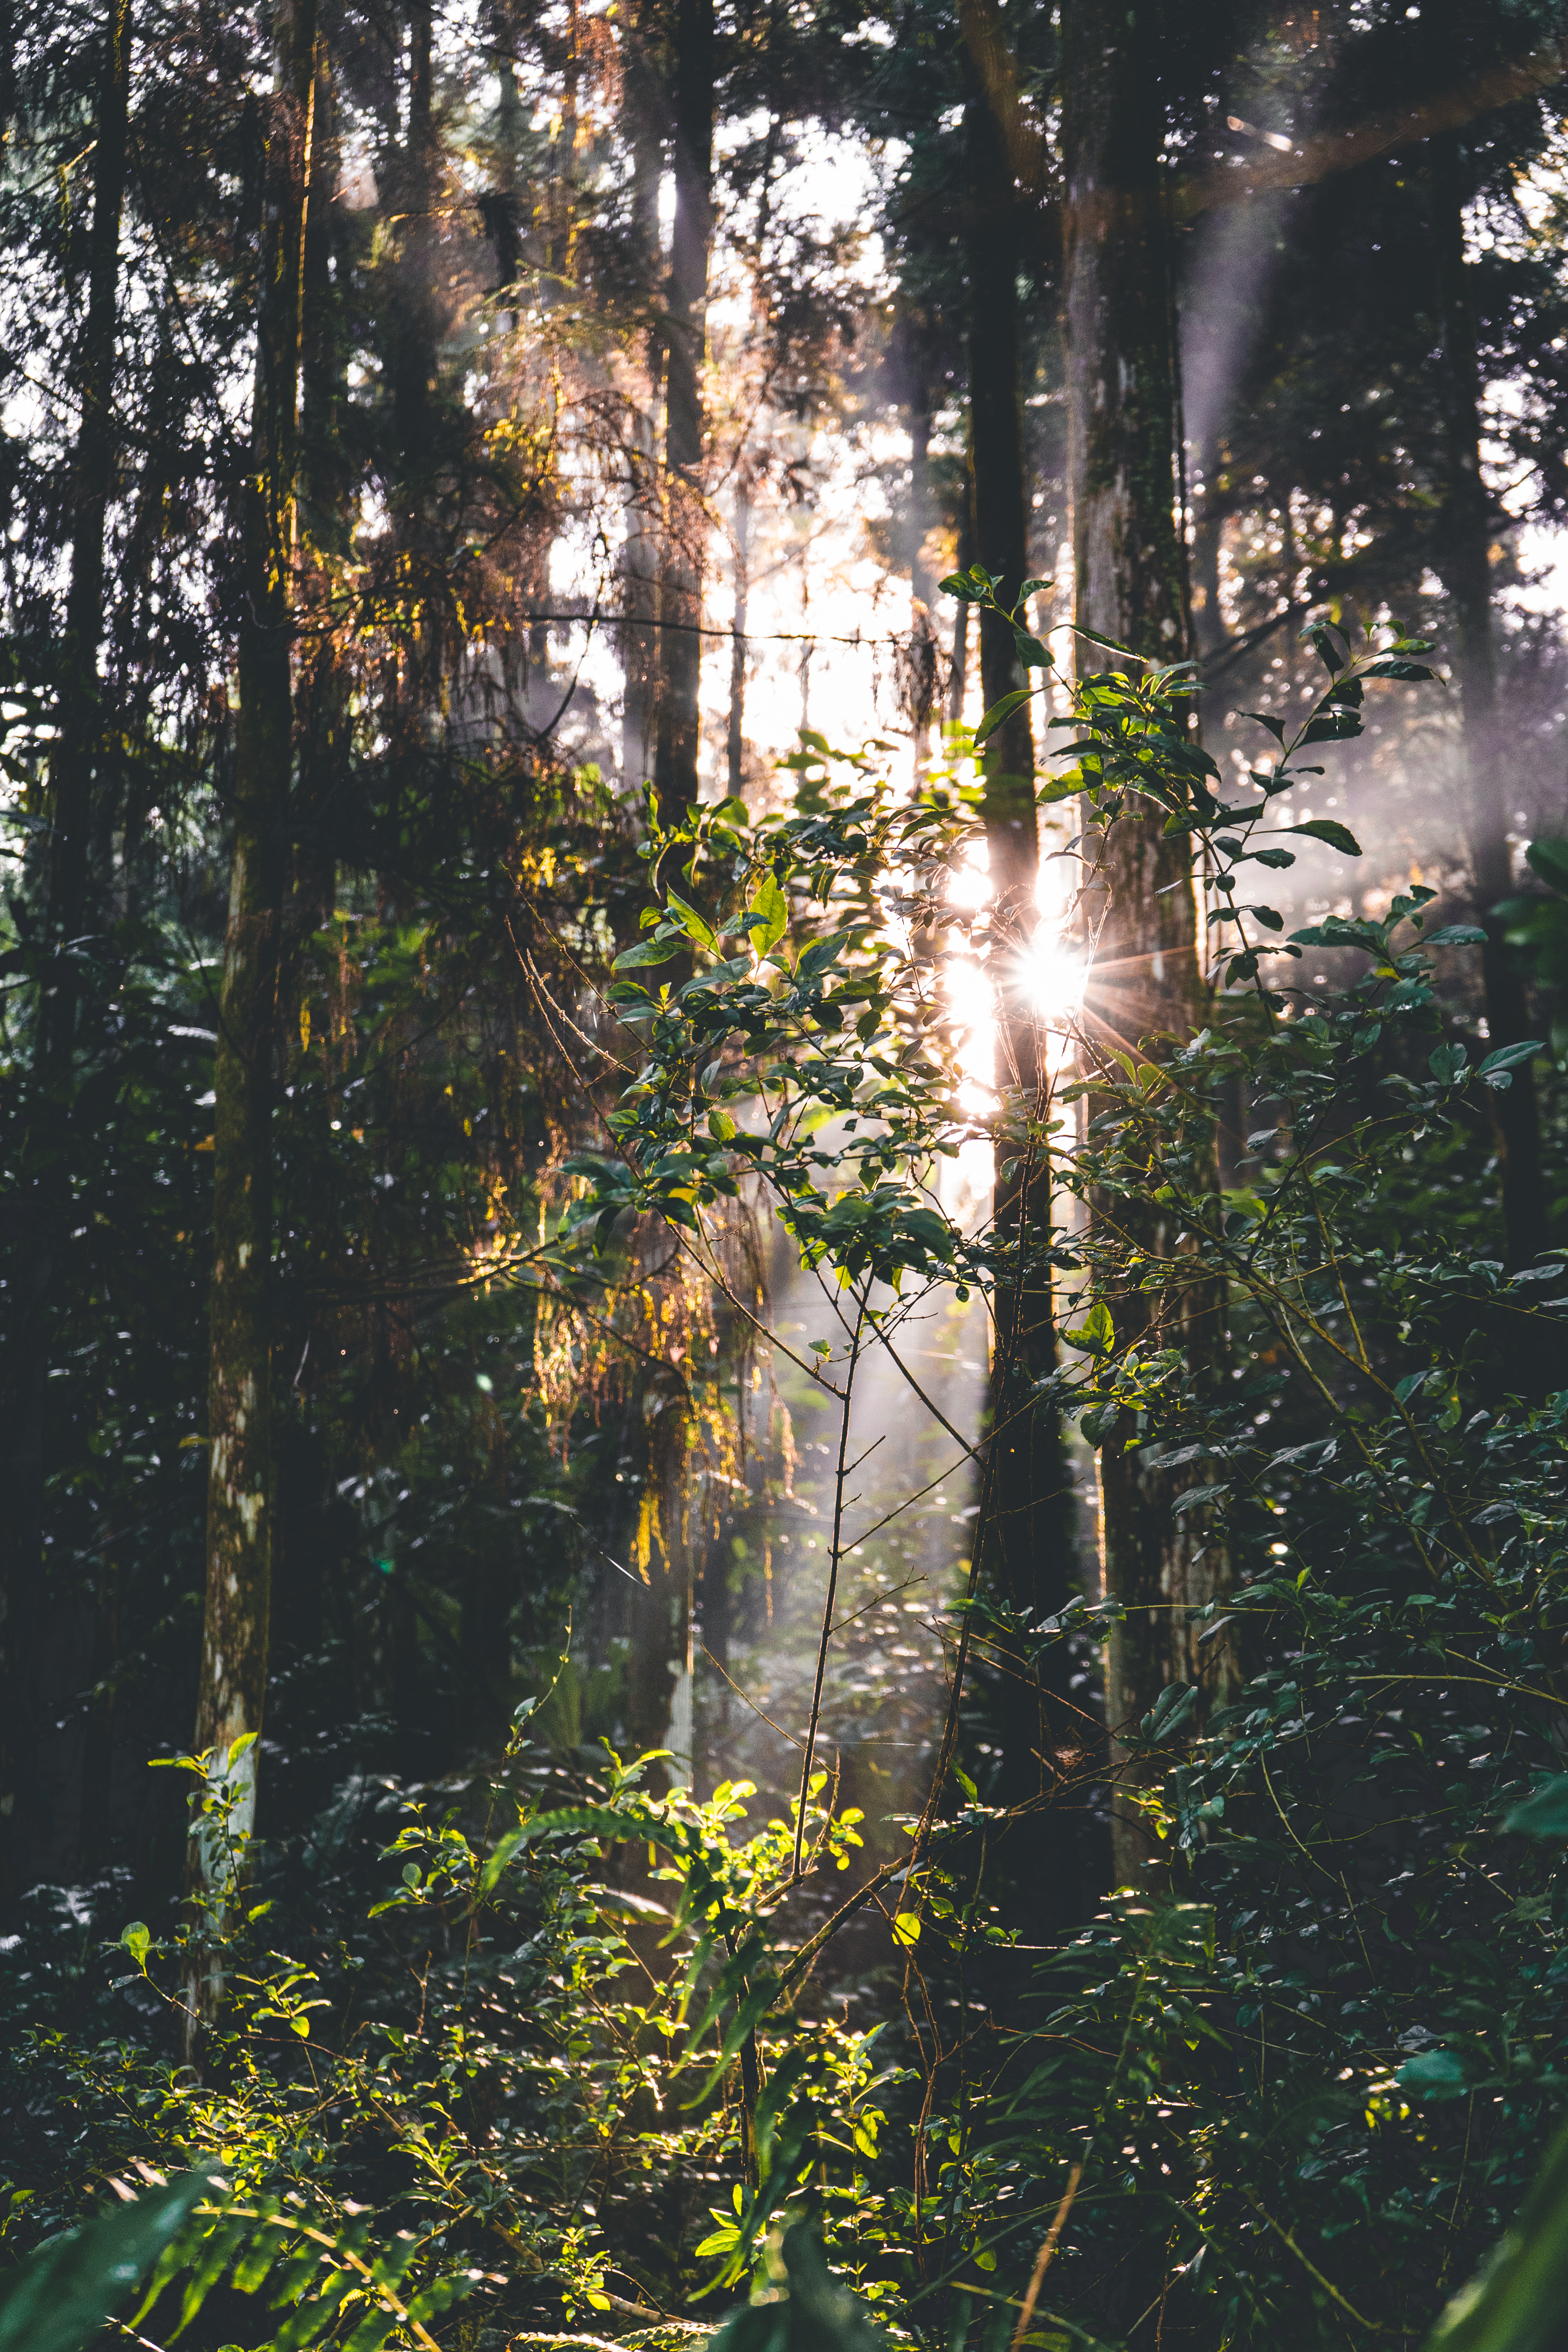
{"points": [[783, 1233]]}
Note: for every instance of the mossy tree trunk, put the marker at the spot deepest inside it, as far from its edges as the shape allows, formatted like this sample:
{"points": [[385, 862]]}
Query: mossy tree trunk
{"points": [[233, 1686]]}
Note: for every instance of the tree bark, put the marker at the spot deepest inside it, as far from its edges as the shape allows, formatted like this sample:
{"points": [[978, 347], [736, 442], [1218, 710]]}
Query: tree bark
{"points": [[1028, 1534], [240, 1477], [1465, 563], [923, 671], [735, 745], [642, 113], [29, 1838], [963, 556], [1129, 585], [681, 647]]}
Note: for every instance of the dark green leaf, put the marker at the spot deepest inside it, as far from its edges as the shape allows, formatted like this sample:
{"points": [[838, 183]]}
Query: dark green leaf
{"points": [[67, 2289], [655, 951], [1509, 1057], [1549, 859], [1516, 2303], [1323, 828], [820, 2314], [1544, 1812], [1001, 711], [1413, 671], [1435, 2074]]}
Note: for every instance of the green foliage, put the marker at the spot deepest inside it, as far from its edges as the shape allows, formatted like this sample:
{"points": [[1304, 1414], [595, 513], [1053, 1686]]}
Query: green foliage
{"points": [[60, 2297], [1258, 2092], [1516, 2303], [570, 2047], [1536, 928], [805, 2308]]}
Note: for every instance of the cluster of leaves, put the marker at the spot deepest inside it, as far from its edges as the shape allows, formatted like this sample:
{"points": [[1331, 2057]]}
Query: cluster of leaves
{"points": [[1395, 1576], [521, 2076]]}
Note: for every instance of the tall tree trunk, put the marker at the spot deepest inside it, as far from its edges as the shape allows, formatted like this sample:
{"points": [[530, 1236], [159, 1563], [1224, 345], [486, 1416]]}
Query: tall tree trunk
{"points": [[1464, 560], [963, 556], [1027, 1532], [735, 744], [241, 1478], [31, 1838], [923, 586], [680, 648], [1128, 584], [1208, 620], [643, 111]]}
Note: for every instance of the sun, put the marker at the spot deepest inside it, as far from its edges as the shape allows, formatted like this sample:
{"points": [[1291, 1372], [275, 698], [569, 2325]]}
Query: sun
{"points": [[1051, 978]]}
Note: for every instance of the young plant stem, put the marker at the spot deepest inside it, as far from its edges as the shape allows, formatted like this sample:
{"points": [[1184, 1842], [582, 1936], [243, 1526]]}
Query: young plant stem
{"points": [[828, 1605]]}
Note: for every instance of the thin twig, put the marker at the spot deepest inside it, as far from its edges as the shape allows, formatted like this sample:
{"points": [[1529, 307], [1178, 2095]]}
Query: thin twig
{"points": [[1043, 2259], [832, 1588]]}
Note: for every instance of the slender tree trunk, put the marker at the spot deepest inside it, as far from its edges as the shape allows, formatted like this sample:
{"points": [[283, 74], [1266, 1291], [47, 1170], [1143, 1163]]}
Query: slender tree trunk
{"points": [[30, 1839], [1208, 621], [1128, 584], [504, 206], [1027, 1535], [735, 746], [240, 1479], [642, 114], [923, 586], [680, 649], [958, 682], [415, 322], [1463, 560]]}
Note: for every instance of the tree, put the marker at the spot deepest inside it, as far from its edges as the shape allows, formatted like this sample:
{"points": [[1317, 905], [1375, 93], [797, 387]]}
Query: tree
{"points": [[681, 607], [1030, 1555], [232, 1693], [1130, 588], [54, 1145]]}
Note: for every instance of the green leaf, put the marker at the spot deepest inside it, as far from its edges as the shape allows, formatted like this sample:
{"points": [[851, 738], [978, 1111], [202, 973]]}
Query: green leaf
{"points": [[1457, 935], [1414, 672], [1111, 643], [1096, 1335], [654, 951], [818, 2314], [1276, 726], [1333, 727], [137, 1941], [1323, 828], [1509, 1057], [1435, 2074], [772, 905], [696, 927], [1544, 1812], [1549, 860], [67, 2288], [1001, 711], [1516, 2302]]}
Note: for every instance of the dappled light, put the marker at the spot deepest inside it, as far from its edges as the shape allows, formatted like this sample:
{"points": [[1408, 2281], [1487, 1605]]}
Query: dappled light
{"points": [[783, 1233]]}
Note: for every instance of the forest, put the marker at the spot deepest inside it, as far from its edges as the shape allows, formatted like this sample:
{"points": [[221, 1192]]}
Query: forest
{"points": [[784, 1557]]}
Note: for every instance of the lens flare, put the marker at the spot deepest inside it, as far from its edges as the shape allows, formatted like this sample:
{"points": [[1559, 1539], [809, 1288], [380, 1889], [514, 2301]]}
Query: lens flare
{"points": [[1051, 978]]}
